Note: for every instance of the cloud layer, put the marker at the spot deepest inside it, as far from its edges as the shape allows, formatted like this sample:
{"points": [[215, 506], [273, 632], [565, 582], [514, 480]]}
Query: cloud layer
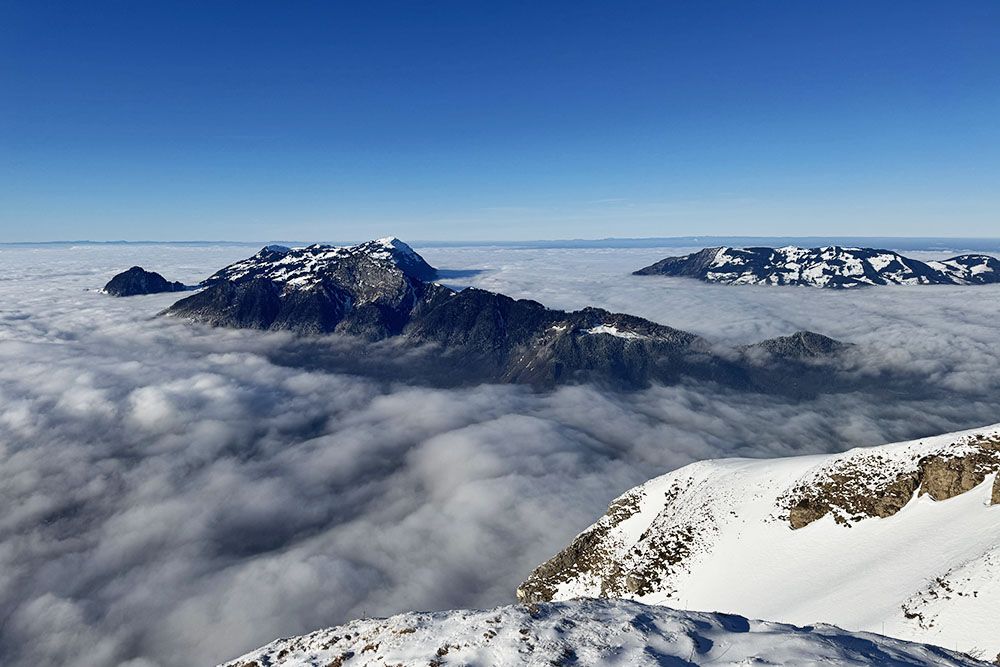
{"points": [[175, 496]]}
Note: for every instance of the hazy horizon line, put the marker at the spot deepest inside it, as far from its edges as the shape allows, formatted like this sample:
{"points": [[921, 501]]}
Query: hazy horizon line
{"points": [[604, 239], [908, 242]]}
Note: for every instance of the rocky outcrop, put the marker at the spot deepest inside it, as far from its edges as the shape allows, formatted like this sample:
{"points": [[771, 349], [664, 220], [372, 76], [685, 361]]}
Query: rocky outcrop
{"points": [[857, 488], [996, 490], [944, 477], [584, 556], [138, 281], [598, 555], [832, 266], [856, 503]]}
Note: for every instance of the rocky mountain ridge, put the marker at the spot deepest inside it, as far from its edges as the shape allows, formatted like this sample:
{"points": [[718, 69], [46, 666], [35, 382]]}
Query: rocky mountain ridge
{"points": [[832, 267], [379, 291], [903, 536]]}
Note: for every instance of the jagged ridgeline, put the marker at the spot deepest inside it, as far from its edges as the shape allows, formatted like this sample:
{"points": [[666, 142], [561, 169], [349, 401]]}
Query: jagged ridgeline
{"points": [[384, 291], [832, 266]]}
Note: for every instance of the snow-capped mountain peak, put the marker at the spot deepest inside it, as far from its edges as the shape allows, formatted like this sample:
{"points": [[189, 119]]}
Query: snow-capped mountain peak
{"points": [[301, 268]]}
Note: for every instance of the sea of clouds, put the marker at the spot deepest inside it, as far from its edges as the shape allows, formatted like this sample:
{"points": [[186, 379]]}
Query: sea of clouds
{"points": [[174, 495]]}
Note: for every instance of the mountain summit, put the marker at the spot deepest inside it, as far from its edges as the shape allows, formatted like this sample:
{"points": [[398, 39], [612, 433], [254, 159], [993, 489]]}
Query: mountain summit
{"points": [[831, 266], [302, 268]]}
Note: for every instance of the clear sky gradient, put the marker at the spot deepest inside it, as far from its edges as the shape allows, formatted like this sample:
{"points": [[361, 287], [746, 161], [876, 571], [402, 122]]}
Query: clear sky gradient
{"points": [[509, 120]]}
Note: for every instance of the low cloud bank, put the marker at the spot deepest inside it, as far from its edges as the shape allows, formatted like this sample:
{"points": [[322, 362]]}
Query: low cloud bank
{"points": [[175, 497]]}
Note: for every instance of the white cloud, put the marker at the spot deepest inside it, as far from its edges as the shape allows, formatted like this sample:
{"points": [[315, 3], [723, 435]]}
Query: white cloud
{"points": [[175, 496]]}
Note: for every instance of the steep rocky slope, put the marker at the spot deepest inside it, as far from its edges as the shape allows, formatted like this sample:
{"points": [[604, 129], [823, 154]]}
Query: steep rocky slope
{"points": [[832, 266], [590, 632], [903, 538]]}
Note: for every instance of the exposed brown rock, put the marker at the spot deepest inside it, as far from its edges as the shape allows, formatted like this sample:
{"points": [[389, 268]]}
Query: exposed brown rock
{"points": [[996, 491], [805, 511], [849, 492], [855, 491], [943, 477], [584, 554], [664, 550]]}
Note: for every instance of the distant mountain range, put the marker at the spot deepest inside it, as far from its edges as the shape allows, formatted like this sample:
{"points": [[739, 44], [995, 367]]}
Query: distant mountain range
{"points": [[831, 266], [382, 290], [901, 539]]}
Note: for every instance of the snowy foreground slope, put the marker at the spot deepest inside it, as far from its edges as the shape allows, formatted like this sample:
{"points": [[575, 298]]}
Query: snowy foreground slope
{"points": [[589, 632], [901, 539]]}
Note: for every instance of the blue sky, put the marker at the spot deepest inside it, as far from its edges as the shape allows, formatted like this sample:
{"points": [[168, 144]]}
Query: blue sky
{"points": [[516, 120]]}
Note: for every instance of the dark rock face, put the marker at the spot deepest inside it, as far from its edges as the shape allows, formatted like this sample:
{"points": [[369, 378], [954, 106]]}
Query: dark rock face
{"points": [[137, 281], [375, 292], [833, 267], [995, 500]]}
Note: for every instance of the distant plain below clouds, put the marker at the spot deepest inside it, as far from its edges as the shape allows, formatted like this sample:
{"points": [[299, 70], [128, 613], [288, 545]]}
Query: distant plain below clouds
{"points": [[174, 497]]}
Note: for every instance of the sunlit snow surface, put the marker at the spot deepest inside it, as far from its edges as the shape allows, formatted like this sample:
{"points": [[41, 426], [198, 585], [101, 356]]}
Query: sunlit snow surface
{"points": [[174, 497], [929, 573], [591, 633]]}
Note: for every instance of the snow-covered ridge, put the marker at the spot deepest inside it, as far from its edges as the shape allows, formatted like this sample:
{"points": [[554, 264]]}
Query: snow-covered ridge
{"points": [[589, 632], [904, 537], [969, 269], [830, 266], [297, 268]]}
